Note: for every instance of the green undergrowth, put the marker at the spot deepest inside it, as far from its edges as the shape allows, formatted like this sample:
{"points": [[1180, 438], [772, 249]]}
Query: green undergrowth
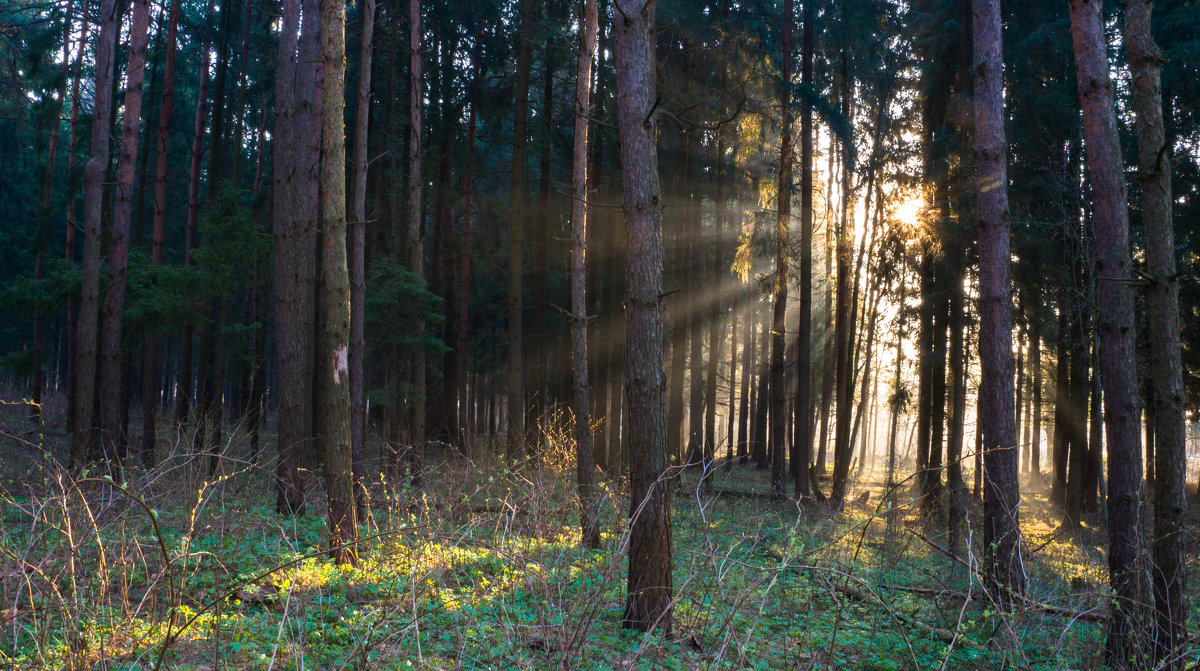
{"points": [[482, 568]]}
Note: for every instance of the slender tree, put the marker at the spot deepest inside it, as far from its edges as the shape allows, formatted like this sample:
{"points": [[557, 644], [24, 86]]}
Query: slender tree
{"points": [[589, 522], [802, 441], [358, 258], [516, 238], [150, 383], [783, 226]]}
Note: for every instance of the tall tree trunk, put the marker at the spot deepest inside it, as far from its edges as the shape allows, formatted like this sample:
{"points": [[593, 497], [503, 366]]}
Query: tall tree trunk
{"points": [[802, 436], [677, 317], [118, 239], [335, 400], [516, 239], [70, 322], [157, 234], [358, 259], [827, 357], [183, 398], [1001, 529], [83, 439], [649, 585], [783, 225], [1062, 380], [716, 320], [538, 342], [1128, 631], [745, 412], [843, 324], [1035, 356], [1154, 170], [295, 213], [416, 238], [588, 515], [464, 250], [758, 430]]}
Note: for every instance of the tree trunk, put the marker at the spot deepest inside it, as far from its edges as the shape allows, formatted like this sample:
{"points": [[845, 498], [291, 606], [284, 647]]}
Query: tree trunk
{"points": [[802, 436], [183, 398], [118, 240], [1128, 631], [649, 585], [589, 518], [335, 400], [1035, 356], [1062, 380], [516, 239], [464, 250], [1154, 170], [358, 259], [416, 238], [295, 213], [745, 412], [82, 442], [783, 225], [1001, 529], [157, 235]]}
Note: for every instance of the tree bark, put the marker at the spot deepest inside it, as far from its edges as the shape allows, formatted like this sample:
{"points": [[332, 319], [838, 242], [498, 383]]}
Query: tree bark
{"points": [[783, 224], [1154, 171], [1002, 533], [802, 435], [295, 212], [416, 238], [358, 259], [648, 606], [335, 400], [118, 239], [157, 234], [83, 439], [589, 518], [1129, 638]]}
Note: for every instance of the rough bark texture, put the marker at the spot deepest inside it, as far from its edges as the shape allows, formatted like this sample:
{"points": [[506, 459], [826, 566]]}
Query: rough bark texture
{"points": [[82, 441], [295, 214], [589, 520], [650, 586], [1162, 298], [1128, 635], [358, 259], [516, 239], [334, 443], [1001, 531]]}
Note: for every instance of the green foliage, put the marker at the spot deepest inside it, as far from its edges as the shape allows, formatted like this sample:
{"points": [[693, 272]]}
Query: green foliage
{"points": [[396, 302]]}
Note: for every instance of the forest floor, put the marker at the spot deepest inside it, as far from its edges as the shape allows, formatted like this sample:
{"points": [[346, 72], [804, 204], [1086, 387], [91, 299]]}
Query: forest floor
{"points": [[482, 568]]}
